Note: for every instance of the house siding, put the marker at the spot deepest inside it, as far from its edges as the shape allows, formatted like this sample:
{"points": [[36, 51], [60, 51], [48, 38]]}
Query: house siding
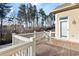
{"points": [[73, 28]]}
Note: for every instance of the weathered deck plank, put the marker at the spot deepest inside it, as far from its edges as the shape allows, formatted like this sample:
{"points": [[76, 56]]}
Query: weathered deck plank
{"points": [[45, 49]]}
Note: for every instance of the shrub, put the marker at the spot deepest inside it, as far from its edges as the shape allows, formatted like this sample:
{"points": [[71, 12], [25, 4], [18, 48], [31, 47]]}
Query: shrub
{"points": [[6, 38]]}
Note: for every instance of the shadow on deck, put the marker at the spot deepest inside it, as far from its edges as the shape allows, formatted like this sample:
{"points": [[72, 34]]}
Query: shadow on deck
{"points": [[46, 49]]}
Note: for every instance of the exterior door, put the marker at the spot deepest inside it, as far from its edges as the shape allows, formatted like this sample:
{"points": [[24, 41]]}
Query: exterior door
{"points": [[64, 28]]}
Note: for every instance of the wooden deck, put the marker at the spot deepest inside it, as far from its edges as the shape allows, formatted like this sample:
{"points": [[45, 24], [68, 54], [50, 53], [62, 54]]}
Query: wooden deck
{"points": [[48, 49]]}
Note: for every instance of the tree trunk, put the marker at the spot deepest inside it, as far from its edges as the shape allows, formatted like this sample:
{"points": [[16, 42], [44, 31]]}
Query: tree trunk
{"points": [[37, 21], [1, 28], [42, 23], [33, 25]]}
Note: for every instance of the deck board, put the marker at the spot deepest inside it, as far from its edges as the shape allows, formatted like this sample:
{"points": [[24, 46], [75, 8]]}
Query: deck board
{"points": [[45, 49]]}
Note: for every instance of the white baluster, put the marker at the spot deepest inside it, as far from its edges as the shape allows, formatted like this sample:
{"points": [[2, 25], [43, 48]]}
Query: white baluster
{"points": [[25, 52], [34, 34], [34, 47], [28, 51]]}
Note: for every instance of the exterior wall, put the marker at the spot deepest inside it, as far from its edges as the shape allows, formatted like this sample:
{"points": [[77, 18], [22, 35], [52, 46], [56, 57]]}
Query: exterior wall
{"points": [[73, 28]]}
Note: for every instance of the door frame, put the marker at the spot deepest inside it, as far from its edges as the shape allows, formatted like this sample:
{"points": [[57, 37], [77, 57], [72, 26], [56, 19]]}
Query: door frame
{"points": [[64, 20]]}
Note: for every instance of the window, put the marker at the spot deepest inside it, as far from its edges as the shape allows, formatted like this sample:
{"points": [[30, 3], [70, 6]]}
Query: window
{"points": [[62, 18]]}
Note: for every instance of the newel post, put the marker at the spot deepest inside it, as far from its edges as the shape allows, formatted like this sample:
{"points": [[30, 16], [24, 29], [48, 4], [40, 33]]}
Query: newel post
{"points": [[34, 34], [34, 47]]}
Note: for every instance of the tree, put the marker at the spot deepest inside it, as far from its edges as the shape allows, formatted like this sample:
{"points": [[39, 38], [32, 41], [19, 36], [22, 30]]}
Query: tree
{"points": [[45, 18], [19, 18], [37, 17], [12, 19], [22, 13], [22, 16], [29, 12], [34, 13], [4, 10], [43, 15], [52, 19]]}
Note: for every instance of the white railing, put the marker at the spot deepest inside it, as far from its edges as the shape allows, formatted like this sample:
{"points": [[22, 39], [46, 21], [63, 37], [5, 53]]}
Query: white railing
{"points": [[47, 35], [23, 47], [52, 34], [16, 39], [27, 35]]}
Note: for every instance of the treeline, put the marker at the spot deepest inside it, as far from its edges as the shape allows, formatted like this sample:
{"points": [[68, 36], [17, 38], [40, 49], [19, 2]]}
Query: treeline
{"points": [[34, 19]]}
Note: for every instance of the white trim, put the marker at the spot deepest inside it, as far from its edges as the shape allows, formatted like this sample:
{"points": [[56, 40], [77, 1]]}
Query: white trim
{"points": [[56, 24], [67, 27], [70, 40]]}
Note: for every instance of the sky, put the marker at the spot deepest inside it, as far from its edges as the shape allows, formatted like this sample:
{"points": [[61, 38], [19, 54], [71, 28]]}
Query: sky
{"points": [[47, 7]]}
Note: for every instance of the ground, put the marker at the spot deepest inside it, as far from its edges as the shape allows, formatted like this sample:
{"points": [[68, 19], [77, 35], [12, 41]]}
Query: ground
{"points": [[45, 49]]}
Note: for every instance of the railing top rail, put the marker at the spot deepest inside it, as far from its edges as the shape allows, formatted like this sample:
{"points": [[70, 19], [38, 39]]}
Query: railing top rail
{"points": [[21, 38], [40, 32], [8, 50], [26, 34], [52, 32]]}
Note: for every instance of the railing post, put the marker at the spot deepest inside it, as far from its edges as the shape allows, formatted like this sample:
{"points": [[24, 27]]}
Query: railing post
{"points": [[49, 35], [34, 47], [34, 34], [13, 39], [44, 34]]}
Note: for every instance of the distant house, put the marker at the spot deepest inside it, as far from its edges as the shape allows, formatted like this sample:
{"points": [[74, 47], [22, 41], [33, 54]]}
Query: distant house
{"points": [[67, 21]]}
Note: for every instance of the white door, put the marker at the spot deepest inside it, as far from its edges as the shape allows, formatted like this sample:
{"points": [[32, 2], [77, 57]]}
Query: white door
{"points": [[63, 29]]}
